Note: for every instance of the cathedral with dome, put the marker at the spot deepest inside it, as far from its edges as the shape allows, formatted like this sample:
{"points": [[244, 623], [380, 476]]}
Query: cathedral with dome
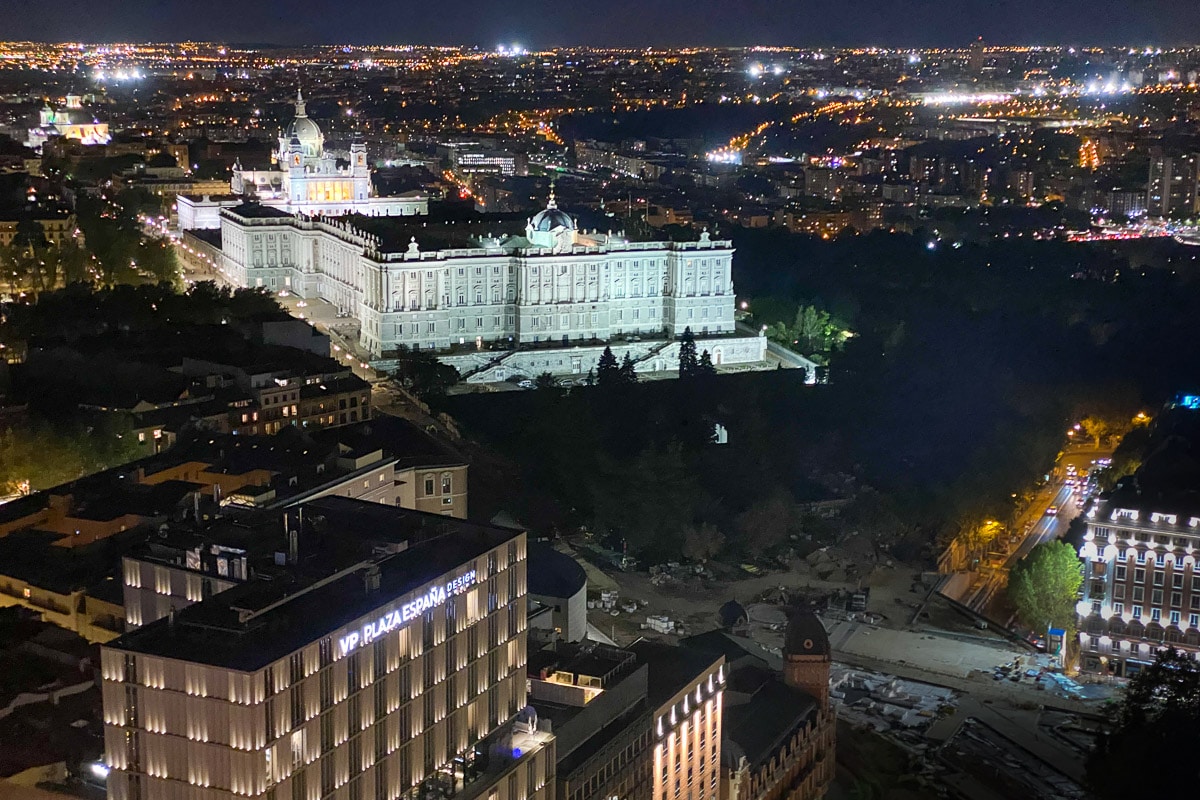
{"points": [[305, 178]]}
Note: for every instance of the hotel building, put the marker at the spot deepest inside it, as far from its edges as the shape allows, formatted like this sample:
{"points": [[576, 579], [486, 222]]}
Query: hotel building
{"points": [[1141, 585], [392, 676]]}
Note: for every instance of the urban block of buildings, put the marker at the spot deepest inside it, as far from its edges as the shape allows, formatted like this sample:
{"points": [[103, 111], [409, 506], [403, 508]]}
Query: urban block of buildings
{"points": [[358, 650], [61, 550]]}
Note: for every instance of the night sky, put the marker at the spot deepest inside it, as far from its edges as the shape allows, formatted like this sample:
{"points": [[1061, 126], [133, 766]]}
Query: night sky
{"points": [[537, 23]]}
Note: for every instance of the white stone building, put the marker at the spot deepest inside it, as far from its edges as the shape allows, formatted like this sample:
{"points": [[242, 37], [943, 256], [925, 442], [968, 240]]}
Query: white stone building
{"points": [[305, 179], [496, 306]]}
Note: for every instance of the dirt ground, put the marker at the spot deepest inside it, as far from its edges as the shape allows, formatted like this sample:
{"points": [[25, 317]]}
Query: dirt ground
{"points": [[693, 603]]}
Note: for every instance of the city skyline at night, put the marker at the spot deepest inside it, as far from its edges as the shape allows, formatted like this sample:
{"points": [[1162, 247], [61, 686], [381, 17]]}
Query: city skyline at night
{"points": [[622, 23]]}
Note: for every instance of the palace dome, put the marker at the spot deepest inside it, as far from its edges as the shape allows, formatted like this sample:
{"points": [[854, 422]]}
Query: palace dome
{"points": [[551, 219]]}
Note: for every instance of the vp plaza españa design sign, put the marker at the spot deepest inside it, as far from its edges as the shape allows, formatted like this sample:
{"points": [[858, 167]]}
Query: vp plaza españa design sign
{"points": [[407, 612]]}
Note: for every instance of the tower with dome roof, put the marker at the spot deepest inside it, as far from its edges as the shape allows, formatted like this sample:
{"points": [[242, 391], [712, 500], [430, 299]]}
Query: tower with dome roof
{"points": [[552, 227], [305, 131]]}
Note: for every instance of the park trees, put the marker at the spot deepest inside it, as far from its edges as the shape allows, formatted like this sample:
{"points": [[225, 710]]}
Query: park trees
{"points": [[41, 454], [689, 362], [608, 371], [545, 380], [702, 541], [422, 374], [767, 524], [627, 374], [812, 331], [1044, 586], [1154, 723]]}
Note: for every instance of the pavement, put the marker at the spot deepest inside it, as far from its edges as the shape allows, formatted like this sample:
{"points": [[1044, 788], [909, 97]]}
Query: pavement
{"points": [[929, 652]]}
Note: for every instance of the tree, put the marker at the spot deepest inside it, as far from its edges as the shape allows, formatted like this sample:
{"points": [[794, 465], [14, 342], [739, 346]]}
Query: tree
{"points": [[608, 373], [545, 380], [39, 455], [767, 523], [423, 374], [647, 500], [813, 329], [873, 515], [627, 374], [1096, 427], [688, 362], [1044, 586], [1154, 723], [157, 258], [702, 541], [705, 368]]}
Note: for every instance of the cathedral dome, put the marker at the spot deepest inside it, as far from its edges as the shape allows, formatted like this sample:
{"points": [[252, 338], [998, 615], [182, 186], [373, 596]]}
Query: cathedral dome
{"points": [[303, 129]]}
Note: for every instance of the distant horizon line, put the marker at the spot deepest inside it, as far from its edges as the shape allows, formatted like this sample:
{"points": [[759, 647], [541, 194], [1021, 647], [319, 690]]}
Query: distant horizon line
{"points": [[550, 48]]}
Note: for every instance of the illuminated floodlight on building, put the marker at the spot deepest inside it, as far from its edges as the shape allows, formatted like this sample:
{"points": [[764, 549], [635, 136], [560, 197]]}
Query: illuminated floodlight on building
{"points": [[956, 98], [724, 155], [778, 70], [755, 70], [913, 58]]}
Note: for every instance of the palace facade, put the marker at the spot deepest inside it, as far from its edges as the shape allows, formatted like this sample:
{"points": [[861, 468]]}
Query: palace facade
{"points": [[493, 304]]}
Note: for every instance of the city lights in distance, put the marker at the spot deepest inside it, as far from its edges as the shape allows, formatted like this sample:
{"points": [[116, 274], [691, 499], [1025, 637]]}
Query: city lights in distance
{"points": [[957, 98], [118, 75], [724, 155]]}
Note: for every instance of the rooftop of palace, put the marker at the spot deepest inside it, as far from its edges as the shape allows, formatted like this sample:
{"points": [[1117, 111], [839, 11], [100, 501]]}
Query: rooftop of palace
{"points": [[456, 233]]}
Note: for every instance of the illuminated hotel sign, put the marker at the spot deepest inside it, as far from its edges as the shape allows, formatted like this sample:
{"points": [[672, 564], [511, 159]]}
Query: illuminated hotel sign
{"points": [[391, 620]]}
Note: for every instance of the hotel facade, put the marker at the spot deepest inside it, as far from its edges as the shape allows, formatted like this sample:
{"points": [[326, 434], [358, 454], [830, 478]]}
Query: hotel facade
{"points": [[1141, 585], [384, 679]]}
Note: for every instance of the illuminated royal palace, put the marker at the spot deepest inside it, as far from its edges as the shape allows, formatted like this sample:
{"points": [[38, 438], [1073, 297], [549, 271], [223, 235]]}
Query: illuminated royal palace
{"points": [[332, 673]]}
